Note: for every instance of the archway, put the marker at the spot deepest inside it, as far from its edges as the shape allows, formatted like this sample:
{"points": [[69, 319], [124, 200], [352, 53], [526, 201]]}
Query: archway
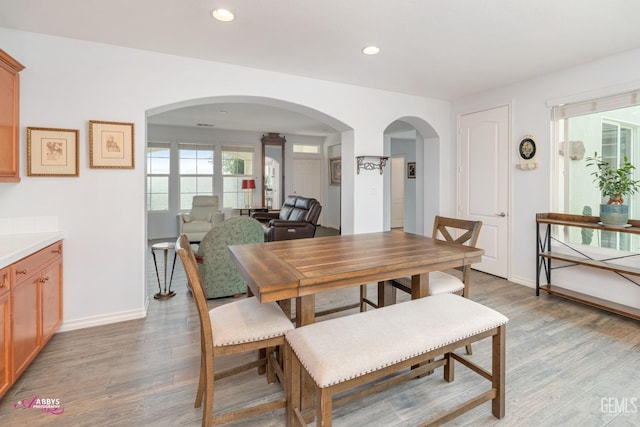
{"points": [[416, 142]]}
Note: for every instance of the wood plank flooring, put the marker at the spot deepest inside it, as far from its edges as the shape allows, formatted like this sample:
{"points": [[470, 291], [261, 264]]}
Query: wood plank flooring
{"points": [[567, 365]]}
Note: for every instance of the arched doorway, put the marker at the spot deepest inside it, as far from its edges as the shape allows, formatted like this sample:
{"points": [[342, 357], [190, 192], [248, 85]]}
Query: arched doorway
{"points": [[414, 145]]}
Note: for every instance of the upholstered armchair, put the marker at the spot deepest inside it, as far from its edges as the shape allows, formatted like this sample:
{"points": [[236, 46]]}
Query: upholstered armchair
{"points": [[219, 273], [204, 214], [297, 219]]}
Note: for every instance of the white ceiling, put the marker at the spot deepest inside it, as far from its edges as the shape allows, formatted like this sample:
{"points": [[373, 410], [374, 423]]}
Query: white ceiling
{"points": [[434, 48]]}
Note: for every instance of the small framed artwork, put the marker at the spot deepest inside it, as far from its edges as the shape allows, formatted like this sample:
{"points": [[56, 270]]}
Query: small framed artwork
{"points": [[111, 145], [335, 171], [411, 170], [52, 152]]}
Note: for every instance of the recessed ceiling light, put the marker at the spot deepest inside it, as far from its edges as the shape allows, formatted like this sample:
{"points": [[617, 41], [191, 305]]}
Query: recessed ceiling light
{"points": [[371, 50], [223, 15]]}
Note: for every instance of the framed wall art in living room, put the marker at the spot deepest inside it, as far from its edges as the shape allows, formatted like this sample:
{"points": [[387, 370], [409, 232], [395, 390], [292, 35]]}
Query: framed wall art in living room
{"points": [[52, 152], [111, 145], [411, 170], [335, 171]]}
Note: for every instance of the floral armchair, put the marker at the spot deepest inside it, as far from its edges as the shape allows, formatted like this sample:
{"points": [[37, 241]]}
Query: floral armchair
{"points": [[219, 273]]}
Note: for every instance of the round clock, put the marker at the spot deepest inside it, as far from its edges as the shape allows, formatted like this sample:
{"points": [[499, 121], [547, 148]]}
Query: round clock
{"points": [[527, 148]]}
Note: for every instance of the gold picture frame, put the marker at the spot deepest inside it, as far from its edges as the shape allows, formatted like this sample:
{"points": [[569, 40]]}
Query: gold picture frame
{"points": [[411, 170], [111, 145], [52, 152], [335, 171]]}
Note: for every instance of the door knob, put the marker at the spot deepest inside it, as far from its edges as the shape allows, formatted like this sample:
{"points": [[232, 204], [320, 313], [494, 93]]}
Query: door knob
{"points": [[501, 214]]}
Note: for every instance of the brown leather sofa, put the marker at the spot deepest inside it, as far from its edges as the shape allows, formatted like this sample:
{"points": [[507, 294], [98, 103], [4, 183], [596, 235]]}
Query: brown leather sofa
{"points": [[297, 219]]}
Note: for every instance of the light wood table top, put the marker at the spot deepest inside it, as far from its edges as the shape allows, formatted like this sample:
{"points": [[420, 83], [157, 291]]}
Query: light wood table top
{"points": [[277, 271]]}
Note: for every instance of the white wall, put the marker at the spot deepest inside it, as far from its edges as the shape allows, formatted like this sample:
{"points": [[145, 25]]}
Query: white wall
{"points": [[67, 82], [531, 190]]}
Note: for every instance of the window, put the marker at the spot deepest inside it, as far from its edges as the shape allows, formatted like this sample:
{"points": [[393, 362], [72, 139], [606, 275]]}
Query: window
{"points": [[158, 169], [611, 127], [196, 172], [237, 164], [307, 149]]}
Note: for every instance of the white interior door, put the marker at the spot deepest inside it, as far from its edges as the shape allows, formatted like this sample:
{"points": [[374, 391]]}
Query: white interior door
{"points": [[305, 182], [483, 179], [397, 192]]}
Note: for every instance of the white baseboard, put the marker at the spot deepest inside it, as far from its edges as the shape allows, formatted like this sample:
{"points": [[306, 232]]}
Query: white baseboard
{"points": [[523, 281], [89, 322]]}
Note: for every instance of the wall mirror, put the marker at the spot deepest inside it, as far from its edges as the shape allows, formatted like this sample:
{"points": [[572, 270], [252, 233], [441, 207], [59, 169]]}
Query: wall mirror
{"points": [[273, 170]]}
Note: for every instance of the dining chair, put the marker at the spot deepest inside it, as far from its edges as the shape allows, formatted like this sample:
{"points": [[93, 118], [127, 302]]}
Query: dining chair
{"points": [[240, 326], [452, 230]]}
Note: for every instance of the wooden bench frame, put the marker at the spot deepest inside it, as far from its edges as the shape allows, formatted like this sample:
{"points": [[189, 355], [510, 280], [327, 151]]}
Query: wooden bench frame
{"points": [[295, 415]]}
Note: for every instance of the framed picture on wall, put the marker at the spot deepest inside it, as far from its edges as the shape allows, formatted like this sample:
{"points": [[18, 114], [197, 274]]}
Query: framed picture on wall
{"points": [[335, 171], [411, 170], [111, 145], [52, 152]]}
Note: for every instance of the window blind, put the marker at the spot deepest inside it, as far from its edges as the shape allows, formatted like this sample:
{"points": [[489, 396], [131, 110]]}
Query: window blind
{"points": [[613, 102]]}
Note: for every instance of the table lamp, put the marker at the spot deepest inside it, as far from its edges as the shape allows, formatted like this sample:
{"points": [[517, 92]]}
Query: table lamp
{"points": [[248, 185]]}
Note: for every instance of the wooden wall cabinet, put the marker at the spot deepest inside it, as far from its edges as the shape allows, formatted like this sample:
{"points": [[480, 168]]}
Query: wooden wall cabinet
{"points": [[9, 118], [34, 304]]}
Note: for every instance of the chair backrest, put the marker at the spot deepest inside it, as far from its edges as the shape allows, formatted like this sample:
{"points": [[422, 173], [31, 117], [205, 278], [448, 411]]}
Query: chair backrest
{"points": [[301, 209], [447, 229], [194, 281], [203, 208]]}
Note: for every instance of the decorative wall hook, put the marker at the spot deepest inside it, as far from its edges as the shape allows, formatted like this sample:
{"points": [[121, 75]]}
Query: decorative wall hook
{"points": [[378, 162]]}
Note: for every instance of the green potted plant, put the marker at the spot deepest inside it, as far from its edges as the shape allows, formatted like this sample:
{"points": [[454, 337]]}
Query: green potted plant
{"points": [[614, 184]]}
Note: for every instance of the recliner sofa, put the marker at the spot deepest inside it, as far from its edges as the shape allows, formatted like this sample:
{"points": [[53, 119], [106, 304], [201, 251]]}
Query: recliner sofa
{"points": [[297, 219]]}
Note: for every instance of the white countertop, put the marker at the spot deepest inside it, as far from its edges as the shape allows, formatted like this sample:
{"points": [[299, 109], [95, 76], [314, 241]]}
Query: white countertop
{"points": [[14, 247]]}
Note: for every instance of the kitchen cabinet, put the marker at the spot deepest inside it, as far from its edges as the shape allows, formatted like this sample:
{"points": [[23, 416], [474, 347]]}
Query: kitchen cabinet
{"points": [[9, 118], [35, 305], [5, 330]]}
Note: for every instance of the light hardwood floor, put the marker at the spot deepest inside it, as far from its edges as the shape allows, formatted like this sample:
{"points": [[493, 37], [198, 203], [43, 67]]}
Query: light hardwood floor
{"points": [[567, 365]]}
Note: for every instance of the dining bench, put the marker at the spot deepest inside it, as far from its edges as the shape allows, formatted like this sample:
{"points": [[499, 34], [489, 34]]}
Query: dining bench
{"points": [[408, 340]]}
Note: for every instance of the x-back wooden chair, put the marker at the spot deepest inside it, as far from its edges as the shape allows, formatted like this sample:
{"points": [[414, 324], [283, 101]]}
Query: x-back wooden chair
{"points": [[240, 326], [452, 230]]}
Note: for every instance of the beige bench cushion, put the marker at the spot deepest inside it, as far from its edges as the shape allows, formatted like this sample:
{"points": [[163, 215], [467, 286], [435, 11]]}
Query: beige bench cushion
{"points": [[439, 283], [347, 347], [247, 320]]}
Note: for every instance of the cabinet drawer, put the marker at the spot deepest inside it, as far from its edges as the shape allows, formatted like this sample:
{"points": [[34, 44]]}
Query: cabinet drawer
{"points": [[33, 264]]}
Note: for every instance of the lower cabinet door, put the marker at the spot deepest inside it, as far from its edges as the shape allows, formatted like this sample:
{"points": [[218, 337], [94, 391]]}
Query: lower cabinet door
{"points": [[51, 291], [24, 307], [5, 340]]}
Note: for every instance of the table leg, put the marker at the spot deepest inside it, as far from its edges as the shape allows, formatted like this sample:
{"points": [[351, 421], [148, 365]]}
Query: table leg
{"points": [[157, 274], [305, 315], [173, 267], [305, 310], [419, 285], [166, 252]]}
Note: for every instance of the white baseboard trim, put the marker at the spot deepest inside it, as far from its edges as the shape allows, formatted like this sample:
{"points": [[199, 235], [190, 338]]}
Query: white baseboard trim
{"points": [[89, 322], [523, 281]]}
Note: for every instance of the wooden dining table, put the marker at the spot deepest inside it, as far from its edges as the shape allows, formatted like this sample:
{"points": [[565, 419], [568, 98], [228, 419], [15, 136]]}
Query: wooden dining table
{"points": [[299, 269]]}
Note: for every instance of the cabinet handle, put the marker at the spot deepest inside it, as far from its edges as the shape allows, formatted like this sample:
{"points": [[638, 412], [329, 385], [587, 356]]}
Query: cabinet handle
{"points": [[22, 271], [57, 251], [46, 279], [4, 280]]}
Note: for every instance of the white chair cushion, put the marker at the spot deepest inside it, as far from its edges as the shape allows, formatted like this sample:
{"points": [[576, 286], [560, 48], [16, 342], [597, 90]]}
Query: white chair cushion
{"points": [[439, 283], [347, 347], [247, 320]]}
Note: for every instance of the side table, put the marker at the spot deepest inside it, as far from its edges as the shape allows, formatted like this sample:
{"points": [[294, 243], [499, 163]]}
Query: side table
{"points": [[165, 247]]}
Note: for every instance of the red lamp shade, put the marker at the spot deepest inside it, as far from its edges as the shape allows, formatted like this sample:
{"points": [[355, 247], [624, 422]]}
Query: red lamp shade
{"points": [[248, 184]]}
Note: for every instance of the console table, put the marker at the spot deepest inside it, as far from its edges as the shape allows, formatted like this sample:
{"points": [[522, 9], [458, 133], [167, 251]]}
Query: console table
{"points": [[544, 256]]}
